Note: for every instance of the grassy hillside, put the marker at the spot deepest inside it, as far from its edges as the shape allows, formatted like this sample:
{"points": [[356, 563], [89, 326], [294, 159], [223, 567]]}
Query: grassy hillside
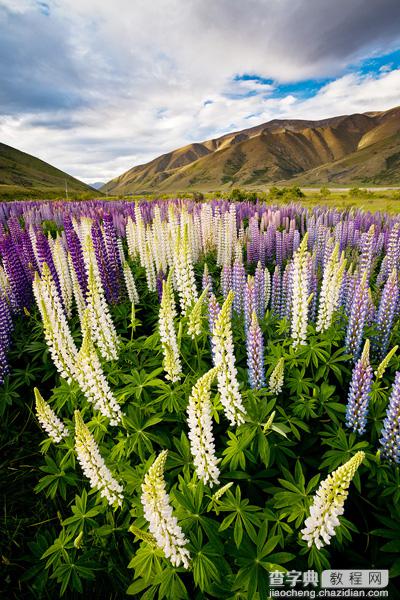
{"points": [[25, 176], [346, 150]]}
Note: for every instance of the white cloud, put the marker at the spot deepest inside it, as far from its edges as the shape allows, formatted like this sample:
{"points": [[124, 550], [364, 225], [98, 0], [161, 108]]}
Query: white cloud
{"points": [[131, 80]]}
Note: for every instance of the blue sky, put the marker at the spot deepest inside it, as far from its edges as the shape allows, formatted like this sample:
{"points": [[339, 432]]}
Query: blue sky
{"points": [[95, 88]]}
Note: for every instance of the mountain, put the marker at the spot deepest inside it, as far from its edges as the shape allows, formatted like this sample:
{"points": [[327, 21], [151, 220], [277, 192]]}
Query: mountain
{"points": [[346, 150], [23, 175], [97, 184]]}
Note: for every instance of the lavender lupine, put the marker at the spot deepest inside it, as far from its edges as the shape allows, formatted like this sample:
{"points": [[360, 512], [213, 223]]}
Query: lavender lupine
{"points": [[19, 284], [238, 285], [390, 440], [355, 327], [6, 327], [386, 313], [255, 354], [259, 291], [276, 291], [207, 279], [226, 280], [113, 255], [359, 393], [75, 251], [249, 301]]}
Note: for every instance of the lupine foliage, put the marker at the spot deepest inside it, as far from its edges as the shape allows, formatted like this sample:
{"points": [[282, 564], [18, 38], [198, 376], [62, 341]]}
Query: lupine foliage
{"points": [[195, 378]]}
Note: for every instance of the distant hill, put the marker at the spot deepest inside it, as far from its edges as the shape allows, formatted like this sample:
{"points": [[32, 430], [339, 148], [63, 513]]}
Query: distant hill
{"points": [[97, 185], [23, 175], [346, 150]]}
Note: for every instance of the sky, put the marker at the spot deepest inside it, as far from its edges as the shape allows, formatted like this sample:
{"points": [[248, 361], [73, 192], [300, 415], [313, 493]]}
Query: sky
{"points": [[95, 87]]}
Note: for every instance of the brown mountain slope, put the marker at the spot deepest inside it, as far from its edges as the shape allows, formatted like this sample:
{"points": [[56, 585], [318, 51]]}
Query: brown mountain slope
{"points": [[281, 150], [22, 173]]}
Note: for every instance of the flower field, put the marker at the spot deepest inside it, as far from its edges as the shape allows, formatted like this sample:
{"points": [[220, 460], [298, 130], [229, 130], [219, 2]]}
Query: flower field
{"points": [[196, 397]]}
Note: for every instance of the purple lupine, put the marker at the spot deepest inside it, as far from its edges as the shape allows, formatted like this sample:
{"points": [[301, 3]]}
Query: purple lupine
{"points": [[102, 262], [226, 280], [113, 255], [161, 276], [259, 291], [44, 255], [206, 279], [390, 440], [359, 393], [386, 313], [75, 250], [286, 292], [358, 313], [248, 302], [255, 354], [20, 285], [238, 283], [276, 291], [368, 244], [6, 326]]}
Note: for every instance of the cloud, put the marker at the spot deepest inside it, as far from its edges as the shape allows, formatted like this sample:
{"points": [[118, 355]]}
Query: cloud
{"points": [[96, 87]]}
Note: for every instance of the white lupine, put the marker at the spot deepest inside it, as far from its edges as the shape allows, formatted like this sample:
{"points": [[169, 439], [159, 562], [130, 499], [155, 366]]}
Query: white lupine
{"points": [[275, 383], [91, 379], [184, 272], [201, 436], [196, 314], [328, 503], [93, 465], [224, 358], [158, 512], [130, 283], [103, 331], [169, 343], [48, 419], [60, 260], [299, 303], [57, 334], [330, 289]]}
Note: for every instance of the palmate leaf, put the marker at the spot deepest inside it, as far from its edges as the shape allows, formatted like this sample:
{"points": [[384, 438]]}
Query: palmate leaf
{"points": [[256, 559], [243, 516]]}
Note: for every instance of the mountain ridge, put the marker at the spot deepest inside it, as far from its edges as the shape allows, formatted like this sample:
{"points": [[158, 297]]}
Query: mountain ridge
{"points": [[279, 151], [22, 173]]}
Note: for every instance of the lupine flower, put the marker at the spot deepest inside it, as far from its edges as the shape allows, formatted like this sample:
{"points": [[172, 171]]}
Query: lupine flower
{"points": [[359, 394], [386, 314], [60, 259], [390, 440], [196, 314], [104, 334], [207, 279], [238, 284], [357, 318], [379, 373], [276, 291], [259, 291], [328, 503], [267, 289], [184, 272], [201, 437], [172, 362], [6, 326], [93, 465], [299, 303], [57, 333], [158, 512], [228, 385], [255, 354], [130, 284], [275, 383], [91, 379], [226, 280], [48, 419], [248, 301], [330, 289]]}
